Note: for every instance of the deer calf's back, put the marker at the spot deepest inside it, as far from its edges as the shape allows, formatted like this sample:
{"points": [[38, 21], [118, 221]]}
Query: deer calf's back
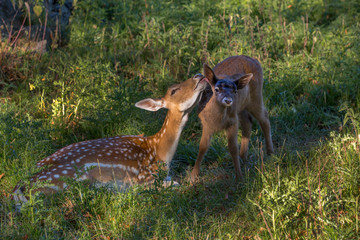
{"points": [[234, 95]]}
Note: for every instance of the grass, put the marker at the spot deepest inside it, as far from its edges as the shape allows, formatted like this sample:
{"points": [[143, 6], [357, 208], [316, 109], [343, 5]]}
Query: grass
{"points": [[121, 52]]}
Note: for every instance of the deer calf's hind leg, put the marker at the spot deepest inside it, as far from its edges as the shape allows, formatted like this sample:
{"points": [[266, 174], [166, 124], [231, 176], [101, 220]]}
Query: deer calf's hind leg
{"points": [[204, 146], [231, 133], [246, 124], [262, 117]]}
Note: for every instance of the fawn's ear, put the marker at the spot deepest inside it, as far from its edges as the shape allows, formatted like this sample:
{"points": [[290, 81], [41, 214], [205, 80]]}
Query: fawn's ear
{"points": [[242, 80], [151, 104], [209, 74]]}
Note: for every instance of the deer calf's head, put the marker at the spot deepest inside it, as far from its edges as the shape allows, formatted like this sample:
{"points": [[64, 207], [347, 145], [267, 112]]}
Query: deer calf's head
{"points": [[226, 87]]}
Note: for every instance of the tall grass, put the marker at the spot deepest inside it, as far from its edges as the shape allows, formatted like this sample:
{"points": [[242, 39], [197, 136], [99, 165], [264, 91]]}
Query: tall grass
{"points": [[121, 52]]}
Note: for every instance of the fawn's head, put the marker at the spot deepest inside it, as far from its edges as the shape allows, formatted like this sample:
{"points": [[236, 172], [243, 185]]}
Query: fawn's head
{"points": [[225, 87], [180, 97]]}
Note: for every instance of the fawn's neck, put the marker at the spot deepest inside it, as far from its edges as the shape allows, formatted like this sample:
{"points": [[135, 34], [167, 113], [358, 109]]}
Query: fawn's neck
{"points": [[166, 140]]}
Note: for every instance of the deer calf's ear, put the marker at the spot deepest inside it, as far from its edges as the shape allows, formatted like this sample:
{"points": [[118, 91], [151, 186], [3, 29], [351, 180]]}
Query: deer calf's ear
{"points": [[243, 80], [150, 104], [209, 74]]}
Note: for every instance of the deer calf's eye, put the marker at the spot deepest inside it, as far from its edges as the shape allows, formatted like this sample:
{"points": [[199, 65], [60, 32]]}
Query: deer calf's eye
{"points": [[217, 90]]}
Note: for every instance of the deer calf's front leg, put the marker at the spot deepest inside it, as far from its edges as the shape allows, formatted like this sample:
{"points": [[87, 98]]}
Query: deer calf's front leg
{"points": [[231, 134], [204, 146]]}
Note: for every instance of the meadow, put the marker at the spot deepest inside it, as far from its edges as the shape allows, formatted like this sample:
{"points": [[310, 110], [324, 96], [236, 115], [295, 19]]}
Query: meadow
{"points": [[120, 52]]}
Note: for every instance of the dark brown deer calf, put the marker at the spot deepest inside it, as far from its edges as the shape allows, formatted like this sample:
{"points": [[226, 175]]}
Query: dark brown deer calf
{"points": [[235, 96]]}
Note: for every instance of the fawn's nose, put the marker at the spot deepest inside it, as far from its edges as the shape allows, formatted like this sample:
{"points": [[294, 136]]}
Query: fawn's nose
{"points": [[198, 76]]}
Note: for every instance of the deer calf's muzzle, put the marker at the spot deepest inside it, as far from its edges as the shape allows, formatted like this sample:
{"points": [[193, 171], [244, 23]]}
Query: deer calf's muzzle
{"points": [[225, 93], [227, 101]]}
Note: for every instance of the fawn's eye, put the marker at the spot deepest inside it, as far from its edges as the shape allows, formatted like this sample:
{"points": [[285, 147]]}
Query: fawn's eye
{"points": [[174, 91], [217, 90]]}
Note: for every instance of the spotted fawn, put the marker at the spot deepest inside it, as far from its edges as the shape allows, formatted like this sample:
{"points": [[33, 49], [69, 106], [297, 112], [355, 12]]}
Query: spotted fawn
{"points": [[123, 159]]}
